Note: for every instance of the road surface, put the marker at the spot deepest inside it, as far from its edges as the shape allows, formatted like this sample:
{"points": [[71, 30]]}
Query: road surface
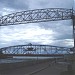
{"points": [[45, 68]]}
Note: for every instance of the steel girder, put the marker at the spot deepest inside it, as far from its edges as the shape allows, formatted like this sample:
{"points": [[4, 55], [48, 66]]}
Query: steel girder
{"points": [[35, 49], [38, 15]]}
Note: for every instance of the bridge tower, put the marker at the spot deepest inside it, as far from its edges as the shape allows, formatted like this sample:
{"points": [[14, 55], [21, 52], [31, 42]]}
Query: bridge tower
{"points": [[73, 19]]}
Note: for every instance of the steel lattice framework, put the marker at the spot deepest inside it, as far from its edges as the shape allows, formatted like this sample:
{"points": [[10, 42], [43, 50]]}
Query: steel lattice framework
{"points": [[38, 15], [35, 49]]}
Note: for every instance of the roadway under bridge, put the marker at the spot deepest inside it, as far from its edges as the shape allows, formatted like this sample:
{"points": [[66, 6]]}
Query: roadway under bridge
{"points": [[34, 16]]}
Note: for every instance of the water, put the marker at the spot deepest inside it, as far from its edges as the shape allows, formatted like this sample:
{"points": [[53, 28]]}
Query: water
{"points": [[23, 59], [11, 60]]}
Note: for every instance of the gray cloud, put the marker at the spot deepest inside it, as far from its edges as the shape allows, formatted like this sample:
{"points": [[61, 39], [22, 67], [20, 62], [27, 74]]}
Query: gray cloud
{"points": [[34, 4], [63, 43], [64, 28], [15, 4], [51, 4]]}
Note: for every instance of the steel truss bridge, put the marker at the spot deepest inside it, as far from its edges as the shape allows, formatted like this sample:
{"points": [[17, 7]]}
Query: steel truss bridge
{"points": [[34, 16], [38, 15], [34, 50]]}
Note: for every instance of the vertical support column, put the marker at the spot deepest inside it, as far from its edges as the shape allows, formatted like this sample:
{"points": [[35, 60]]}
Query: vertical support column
{"points": [[40, 50], [0, 51], [73, 19], [74, 29]]}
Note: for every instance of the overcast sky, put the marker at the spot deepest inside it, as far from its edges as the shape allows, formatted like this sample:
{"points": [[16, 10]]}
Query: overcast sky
{"points": [[58, 33]]}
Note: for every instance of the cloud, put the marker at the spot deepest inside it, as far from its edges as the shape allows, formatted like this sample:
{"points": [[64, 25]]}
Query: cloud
{"points": [[74, 4], [15, 4], [50, 4], [63, 29], [64, 43], [30, 33], [34, 4]]}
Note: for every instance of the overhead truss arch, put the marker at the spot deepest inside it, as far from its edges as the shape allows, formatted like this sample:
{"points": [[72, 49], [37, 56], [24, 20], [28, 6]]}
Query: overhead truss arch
{"points": [[37, 15], [35, 49]]}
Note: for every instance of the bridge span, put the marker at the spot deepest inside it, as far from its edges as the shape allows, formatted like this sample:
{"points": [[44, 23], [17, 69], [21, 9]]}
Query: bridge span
{"points": [[34, 50], [37, 15]]}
